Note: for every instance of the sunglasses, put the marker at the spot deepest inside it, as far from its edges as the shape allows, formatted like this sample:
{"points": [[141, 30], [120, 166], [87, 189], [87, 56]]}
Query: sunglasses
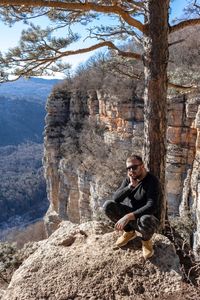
{"points": [[133, 167]]}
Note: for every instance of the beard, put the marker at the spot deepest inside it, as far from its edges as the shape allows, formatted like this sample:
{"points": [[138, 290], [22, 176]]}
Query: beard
{"points": [[135, 176]]}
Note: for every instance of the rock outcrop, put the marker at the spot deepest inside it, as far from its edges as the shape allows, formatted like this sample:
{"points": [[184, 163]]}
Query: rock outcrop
{"points": [[80, 262], [76, 191]]}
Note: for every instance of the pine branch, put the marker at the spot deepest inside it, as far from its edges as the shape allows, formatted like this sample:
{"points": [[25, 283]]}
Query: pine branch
{"points": [[82, 7], [32, 64]]}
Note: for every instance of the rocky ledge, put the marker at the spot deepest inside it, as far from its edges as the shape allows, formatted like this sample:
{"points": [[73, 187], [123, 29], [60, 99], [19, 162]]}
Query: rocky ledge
{"points": [[81, 262]]}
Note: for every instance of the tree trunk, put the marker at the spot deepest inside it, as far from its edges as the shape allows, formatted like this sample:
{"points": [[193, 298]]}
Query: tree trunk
{"points": [[155, 95]]}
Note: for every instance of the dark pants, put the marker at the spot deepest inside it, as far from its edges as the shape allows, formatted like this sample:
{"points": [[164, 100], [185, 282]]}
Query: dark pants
{"points": [[146, 224]]}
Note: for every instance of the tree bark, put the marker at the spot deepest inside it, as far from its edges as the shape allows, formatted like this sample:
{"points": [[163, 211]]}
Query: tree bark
{"points": [[155, 94]]}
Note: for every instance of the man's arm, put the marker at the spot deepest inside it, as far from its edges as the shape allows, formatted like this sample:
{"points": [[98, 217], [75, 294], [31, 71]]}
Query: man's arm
{"points": [[121, 223], [152, 196], [123, 191]]}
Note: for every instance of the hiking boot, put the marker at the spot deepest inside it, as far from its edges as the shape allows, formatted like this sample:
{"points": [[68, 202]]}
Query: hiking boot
{"points": [[147, 249], [125, 238]]}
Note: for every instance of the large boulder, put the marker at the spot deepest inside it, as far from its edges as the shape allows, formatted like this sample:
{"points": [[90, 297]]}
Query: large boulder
{"points": [[81, 262]]}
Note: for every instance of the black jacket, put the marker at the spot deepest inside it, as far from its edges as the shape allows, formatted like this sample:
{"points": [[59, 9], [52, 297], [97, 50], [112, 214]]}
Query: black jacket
{"points": [[144, 197]]}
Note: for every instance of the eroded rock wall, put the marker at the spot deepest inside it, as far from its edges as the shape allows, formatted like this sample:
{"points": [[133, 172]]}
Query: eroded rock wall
{"points": [[58, 108], [195, 184], [181, 151], [75, 192]]}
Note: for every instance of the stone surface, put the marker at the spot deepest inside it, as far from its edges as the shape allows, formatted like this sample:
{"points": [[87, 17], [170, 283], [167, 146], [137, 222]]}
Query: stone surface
{"points": [[80, 262]]}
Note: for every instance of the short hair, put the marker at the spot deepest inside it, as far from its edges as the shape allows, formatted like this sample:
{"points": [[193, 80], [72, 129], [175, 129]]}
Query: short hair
{"points": [[132, 157]]}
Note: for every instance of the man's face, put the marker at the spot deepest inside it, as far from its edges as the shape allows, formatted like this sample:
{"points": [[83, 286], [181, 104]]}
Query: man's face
{"points": [[134, 168]]}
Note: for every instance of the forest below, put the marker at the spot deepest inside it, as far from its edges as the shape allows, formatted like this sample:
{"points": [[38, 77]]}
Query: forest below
{"points": [[22, 188]]}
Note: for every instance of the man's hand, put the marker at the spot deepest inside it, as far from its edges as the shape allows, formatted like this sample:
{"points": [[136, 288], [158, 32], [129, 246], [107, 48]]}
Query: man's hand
{"points": [[133, 182], [123, 221]]}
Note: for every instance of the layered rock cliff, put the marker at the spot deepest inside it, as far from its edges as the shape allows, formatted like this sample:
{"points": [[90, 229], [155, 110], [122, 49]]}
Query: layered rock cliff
{"points": [[83, 135], [87, 139]]}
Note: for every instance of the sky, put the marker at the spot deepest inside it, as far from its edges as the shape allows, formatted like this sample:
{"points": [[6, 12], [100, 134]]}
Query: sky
{"points": [[10, 35]]}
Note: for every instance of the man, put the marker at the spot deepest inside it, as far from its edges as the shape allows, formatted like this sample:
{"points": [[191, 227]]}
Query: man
{"points": [[141, 190]]}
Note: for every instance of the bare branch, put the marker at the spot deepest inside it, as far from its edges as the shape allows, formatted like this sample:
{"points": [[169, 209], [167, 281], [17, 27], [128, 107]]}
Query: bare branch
{"points": [[95, 47], [176, 42], [122, 72], [103, 35], [181, 87], [33, 65], [25, 18], [184, 24], [129, 54], [100, 45], [86, 7], [110, 32], [196, 5]]}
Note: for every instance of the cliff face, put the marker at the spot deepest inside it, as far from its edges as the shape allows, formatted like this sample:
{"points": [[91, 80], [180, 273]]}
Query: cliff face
{"points": [[182, 151], [77, 163], [183, 164], [74, 189]]}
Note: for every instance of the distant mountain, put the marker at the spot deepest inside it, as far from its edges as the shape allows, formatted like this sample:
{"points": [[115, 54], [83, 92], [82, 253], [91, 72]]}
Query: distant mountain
{"points": [[31, 89], [21, 121], [22, 110]]}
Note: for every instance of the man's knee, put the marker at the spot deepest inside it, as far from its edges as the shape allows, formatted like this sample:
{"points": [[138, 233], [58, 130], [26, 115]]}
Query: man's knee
{"points": [[108, 206], [145, 219], [149, 221]]}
